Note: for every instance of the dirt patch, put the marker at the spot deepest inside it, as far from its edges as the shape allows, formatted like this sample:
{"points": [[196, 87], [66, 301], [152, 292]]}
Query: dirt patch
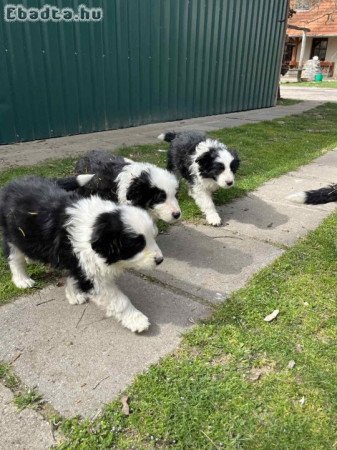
{"points": [[256, 373]]}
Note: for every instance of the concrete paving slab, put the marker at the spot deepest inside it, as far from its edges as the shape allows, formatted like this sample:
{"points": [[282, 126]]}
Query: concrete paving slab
{"points": [[229, 122], [309, 93], [29, 153], [210, 262], [270, 221], [318, 171], [278, 189], [20, 430], [329, 159], [79, 365], [205, 127], [267, 215]]}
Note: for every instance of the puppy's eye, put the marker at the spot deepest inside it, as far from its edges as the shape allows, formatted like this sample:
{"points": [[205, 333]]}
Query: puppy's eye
{"points": [[177, 195], [219, 167], [160, 197]]}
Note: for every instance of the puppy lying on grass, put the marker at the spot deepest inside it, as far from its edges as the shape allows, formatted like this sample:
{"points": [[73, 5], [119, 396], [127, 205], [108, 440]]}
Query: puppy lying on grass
{"points": [[92, 239]]}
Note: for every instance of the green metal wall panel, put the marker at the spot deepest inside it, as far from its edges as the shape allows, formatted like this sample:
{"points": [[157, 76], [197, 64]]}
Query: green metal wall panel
{"points": [[147, 61]]}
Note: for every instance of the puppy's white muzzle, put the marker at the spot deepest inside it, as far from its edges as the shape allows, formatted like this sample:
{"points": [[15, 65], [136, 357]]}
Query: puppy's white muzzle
{"points": [[168, 211], [226, 181]]}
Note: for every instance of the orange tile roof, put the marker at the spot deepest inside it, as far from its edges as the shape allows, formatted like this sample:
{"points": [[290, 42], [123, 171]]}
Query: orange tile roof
{"points": [[321, 19]]}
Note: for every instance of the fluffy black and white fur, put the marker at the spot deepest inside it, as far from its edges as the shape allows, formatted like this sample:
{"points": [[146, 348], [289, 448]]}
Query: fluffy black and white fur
{"points": [[316, 197], [206, 164], [128, 182], [91, 238]]}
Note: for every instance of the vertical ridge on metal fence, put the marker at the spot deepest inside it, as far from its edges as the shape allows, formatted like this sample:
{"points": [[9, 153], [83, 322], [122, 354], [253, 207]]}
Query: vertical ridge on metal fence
{"points": [[146, 61]]}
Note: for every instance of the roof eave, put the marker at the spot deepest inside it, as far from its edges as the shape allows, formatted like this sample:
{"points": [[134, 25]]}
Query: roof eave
{"points": [[313, 34]]}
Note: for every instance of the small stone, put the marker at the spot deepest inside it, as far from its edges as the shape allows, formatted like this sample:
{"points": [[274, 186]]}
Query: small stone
{"points": [[272, 315], [299, 348], [291, 364]]}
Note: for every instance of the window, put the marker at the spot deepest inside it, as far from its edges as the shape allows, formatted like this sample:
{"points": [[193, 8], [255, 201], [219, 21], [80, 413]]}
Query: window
{"points": [[319, 46]]}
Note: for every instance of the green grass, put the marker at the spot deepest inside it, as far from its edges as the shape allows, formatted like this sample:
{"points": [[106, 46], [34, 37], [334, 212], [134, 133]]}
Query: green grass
{"points": [[267, 150], [23, 396], [318, 84], [206, 394], [288, 101], [8, 378], [27, 399]]}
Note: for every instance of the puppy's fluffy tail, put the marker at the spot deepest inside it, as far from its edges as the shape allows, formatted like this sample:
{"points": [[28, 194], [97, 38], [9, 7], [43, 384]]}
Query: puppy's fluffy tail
{"points": [[73, 183], [316, 197], [168, 136]]}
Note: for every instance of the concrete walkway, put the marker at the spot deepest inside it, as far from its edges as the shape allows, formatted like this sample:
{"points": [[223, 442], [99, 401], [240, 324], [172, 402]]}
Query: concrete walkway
{"points": [[29, 153], [79, 360], [309, 93], [22, 430]]}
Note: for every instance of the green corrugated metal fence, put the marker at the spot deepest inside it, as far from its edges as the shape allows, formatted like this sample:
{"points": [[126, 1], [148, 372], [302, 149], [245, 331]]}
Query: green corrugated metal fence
{"points": [[146, 61]]}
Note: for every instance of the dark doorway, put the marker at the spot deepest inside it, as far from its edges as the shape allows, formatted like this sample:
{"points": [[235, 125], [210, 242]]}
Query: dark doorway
{"points": [[319, 46]]}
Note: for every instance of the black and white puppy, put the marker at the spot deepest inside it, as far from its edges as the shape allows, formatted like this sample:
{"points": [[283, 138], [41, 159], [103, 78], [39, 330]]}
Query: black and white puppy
{"points": [[127, 182], [206, 164], [92, 239], [316, 197]]}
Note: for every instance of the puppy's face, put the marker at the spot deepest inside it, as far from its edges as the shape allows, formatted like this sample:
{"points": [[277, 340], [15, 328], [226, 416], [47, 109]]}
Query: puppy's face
{"points": [[156, 190], [218, 163], [126, 237], [166, 206]]}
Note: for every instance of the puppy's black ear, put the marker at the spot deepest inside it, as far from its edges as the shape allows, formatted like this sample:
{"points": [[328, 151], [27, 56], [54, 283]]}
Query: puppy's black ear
{"points": [[206, 159], [206, 162], [235, 164], [105, 238], [111, 240], [139, 191]]}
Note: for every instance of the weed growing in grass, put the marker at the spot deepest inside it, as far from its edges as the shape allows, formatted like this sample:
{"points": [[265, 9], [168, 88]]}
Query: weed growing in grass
{"points": [[27, 399]]}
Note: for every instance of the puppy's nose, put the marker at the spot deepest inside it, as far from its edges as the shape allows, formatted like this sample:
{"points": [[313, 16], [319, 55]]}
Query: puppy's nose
{"points": [[158, 260], [176, 215], [229, 183]]}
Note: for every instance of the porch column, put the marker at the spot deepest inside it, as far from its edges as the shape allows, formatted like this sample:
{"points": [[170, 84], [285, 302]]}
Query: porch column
{"points": [[300, 62]]}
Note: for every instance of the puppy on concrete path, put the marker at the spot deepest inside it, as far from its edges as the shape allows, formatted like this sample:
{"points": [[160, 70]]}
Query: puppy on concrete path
{"points": [[206, 164], [92, 239]]}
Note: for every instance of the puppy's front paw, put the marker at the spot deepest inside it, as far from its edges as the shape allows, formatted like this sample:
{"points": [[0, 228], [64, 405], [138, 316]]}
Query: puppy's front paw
{"points": [[23, 282], [213, 219], [136, 322], [76, 298]]}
